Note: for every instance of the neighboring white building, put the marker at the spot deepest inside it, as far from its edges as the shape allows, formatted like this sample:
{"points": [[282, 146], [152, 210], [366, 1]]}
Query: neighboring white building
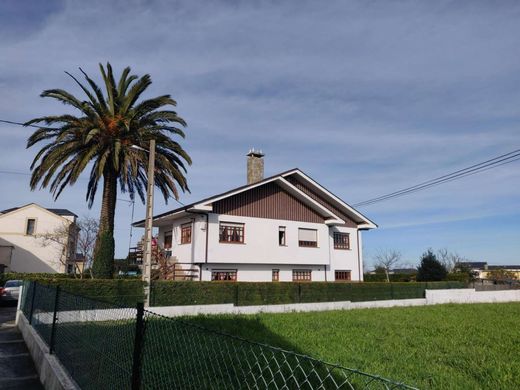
{"points": [[23, 247], [283, 228]]}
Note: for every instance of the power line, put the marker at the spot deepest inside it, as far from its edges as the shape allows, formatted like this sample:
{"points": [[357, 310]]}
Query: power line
{"points": [[24, 125], [459, 174]]}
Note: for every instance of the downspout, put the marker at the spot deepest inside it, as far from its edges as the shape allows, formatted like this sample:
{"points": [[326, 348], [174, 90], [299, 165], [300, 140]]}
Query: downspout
{"points": [[330, 258], [358, 255], [207, 240]]}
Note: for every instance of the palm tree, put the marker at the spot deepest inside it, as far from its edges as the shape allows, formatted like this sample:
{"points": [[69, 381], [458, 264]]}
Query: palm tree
{"points": [[102, 138]]}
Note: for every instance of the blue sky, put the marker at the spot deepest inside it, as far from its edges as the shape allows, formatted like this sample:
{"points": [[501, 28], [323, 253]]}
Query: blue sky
{"points": [[365, 97]]}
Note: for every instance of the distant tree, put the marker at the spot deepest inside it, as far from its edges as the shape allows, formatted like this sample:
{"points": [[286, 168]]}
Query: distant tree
{"points": [[450, 260], [430, 269], [89, 228], [387, 259]]}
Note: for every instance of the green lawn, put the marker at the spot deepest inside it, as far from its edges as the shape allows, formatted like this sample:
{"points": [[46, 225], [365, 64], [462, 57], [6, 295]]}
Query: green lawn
{"points": [[432, 347]]}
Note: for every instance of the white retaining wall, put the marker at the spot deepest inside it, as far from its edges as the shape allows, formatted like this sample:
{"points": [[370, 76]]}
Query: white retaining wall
{"points": [[469, 295], [433, 297]]}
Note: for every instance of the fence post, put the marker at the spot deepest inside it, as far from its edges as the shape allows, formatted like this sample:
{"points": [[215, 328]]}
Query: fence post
{"points": [[391, 290], [32, 301], [54, 318], [138, 346], [236, 294], [299, 293]]}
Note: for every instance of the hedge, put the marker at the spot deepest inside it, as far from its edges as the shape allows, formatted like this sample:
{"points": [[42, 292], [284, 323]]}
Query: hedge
{"points": [[381, 277], [168, 293], [123, 292], [31, 276]]}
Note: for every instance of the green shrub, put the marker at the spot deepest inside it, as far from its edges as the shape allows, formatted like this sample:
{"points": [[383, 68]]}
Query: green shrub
{"points": [[170, 293], [378, 277], [103, 265], [31, 276], [430, 269], [463, 277], [124, 292]]}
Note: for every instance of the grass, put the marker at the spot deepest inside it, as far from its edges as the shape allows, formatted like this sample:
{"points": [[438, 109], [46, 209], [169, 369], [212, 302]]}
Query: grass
{"points": [[432, 347]]}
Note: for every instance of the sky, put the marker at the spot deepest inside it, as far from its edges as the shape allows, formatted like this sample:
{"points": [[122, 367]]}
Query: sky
{"points": [[366, 97]]}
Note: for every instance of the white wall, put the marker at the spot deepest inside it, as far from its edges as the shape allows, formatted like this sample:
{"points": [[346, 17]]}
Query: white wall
{"points": [[261, 242], [263, 272], [29, 253], [261, 247], [345, 259]]}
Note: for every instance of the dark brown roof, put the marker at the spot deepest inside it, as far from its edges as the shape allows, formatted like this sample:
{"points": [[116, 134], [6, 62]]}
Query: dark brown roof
{"points": [[188, 206], [60, 212]]}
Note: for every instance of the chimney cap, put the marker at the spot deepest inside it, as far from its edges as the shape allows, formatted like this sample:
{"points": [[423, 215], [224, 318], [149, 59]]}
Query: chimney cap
{"points": [[255, 153]]}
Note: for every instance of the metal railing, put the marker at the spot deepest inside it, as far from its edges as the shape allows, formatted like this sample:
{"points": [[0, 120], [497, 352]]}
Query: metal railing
{"points": [[104, 346]]}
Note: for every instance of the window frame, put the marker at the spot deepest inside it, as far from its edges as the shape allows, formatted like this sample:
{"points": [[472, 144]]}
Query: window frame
{"points": [[215, 272], [275, 275], [339, 245], [282, 240], [237, 225], [27, 226], [305, 243], [166, 234], [186, 238], [342, 271], [303, 277]]}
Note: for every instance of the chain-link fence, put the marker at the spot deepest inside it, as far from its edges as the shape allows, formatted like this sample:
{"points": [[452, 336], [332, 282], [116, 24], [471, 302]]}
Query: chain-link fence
{"points": [[104, 346]]}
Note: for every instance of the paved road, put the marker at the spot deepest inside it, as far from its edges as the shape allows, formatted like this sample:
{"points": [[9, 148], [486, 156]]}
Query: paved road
{"points": [[16, 366]]}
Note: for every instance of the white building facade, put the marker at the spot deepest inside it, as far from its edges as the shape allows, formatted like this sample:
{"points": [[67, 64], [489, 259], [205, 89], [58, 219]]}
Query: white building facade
{"points": [[36, 239], [283, 228]]}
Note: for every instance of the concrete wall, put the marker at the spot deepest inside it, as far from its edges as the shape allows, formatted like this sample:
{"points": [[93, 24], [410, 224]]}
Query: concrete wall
{"points": [[433, 297], [30, 253], [469, 295], [52, 374]]}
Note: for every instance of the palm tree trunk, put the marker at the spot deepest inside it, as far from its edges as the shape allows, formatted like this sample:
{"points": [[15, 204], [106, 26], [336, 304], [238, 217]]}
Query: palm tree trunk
{"points": [[104, 249]]}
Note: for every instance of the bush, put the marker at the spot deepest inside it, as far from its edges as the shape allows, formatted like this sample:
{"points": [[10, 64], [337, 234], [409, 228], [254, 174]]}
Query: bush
{"points": [[170, 293], [463, 277], [124, 292], [31, 276], [430, 268], [378, 277], [103, 265]]}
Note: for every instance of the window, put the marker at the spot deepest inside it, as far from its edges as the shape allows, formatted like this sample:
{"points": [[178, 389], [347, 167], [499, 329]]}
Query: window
{"points": [[341, 240], [168, 239], [308, 237], [224, 275], [342, 275], [30, 228], [301, 275], [231, 232], [281, 236], [276, 275], [186, 233]]}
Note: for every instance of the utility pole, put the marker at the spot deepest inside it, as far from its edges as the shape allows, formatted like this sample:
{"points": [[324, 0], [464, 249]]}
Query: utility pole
{"points": [[147, 258]]}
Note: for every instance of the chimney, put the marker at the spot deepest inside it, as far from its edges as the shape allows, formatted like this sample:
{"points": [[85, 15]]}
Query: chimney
{"points": [[255, 166]]}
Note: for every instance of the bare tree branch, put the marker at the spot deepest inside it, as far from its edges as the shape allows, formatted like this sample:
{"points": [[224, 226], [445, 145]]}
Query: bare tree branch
{"points": [[387, 259]]}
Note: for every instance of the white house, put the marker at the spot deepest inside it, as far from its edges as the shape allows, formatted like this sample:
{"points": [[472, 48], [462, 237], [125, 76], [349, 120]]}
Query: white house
{"points": [[283, 228], [37, 239]]}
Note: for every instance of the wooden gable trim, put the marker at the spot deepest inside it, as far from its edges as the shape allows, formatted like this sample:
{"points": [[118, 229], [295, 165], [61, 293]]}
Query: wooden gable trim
{"points": [[267, 201], [302, 187]]}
